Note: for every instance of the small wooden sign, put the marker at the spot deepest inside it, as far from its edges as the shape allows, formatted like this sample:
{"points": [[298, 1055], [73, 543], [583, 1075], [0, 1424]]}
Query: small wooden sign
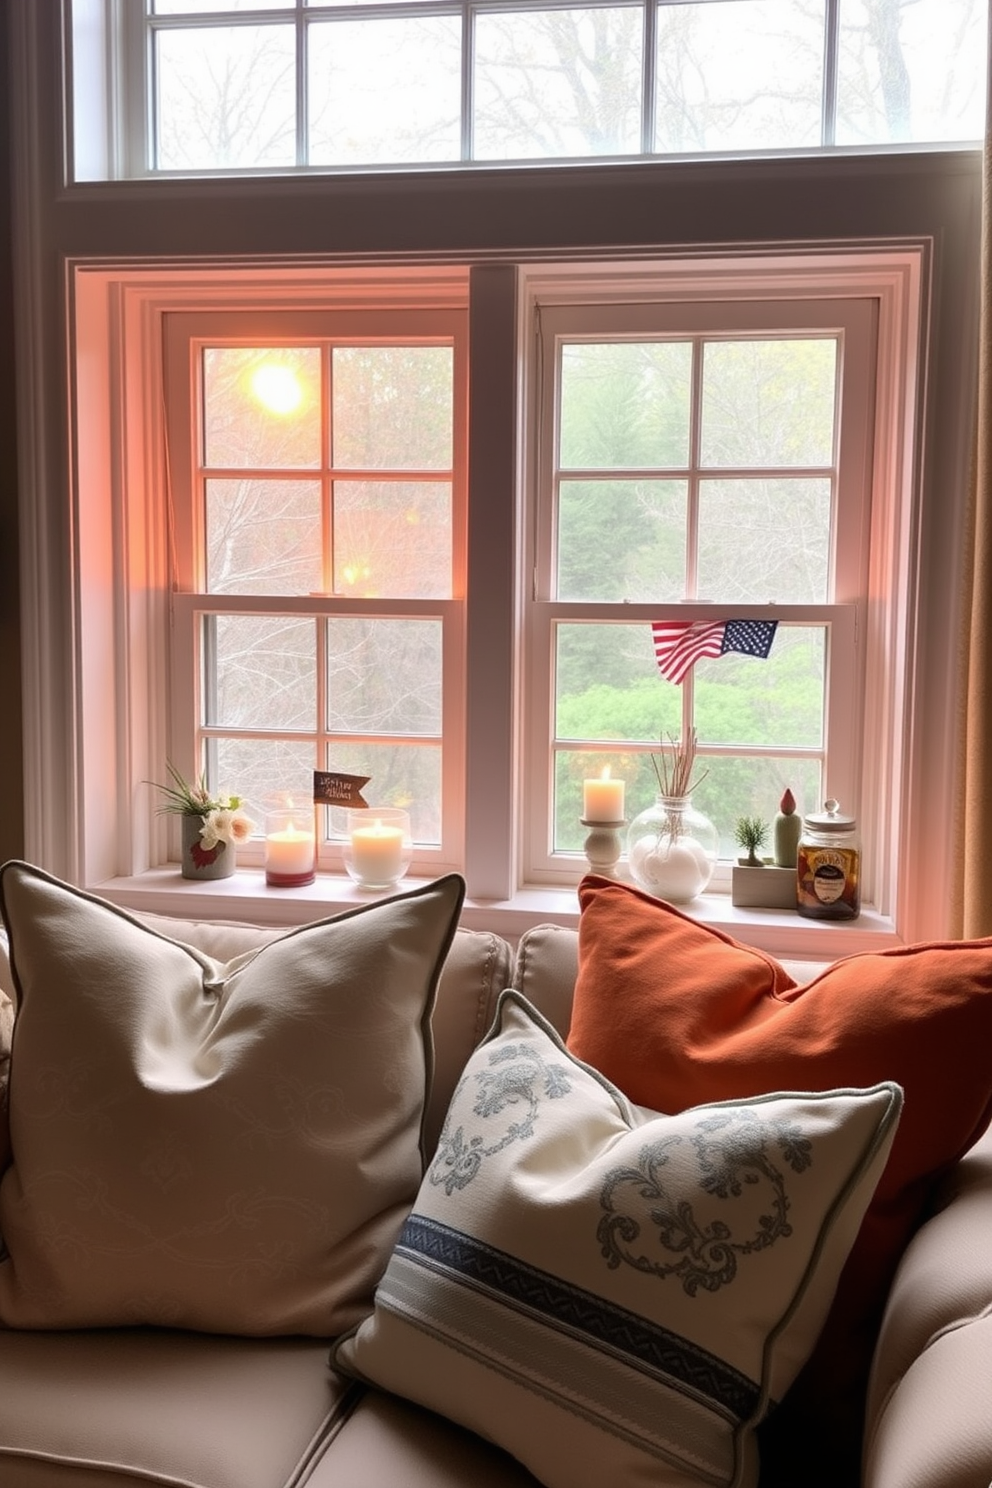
{"points": [[330, 789]]}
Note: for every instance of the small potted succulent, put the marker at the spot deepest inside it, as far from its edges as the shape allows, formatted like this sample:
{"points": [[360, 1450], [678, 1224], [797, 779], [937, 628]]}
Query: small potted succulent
{"points": [[751, 833], [758, 882]]}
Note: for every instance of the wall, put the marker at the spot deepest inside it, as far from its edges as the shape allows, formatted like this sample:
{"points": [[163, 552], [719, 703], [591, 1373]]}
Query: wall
{"points": [[11, 747], [487, 218]]}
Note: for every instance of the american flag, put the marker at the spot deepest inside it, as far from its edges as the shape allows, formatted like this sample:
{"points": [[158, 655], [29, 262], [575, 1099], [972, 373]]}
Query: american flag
{"points": [[680, 643]]}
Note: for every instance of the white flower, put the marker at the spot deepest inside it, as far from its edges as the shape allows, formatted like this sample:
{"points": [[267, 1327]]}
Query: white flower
{"points": [[224, 825], [241, 827], [216, 827]]}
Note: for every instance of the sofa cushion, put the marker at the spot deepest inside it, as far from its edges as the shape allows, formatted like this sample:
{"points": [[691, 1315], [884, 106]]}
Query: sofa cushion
{"points": [[118, 1408], [677, 1013], [609, 1294], [227, 1146], [388, 1443], [929, 1422]]}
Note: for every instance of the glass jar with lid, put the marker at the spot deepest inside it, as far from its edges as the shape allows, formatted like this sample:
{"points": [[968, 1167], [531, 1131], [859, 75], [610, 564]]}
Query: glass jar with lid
{"points": [[828, 867]]}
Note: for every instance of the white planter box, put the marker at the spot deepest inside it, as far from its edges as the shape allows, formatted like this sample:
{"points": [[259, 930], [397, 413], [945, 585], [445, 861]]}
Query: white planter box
{"points": [[763, 888]]}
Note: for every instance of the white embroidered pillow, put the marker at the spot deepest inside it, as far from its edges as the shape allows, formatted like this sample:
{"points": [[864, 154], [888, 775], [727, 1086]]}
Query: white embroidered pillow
{"points": [[612, 1295]]}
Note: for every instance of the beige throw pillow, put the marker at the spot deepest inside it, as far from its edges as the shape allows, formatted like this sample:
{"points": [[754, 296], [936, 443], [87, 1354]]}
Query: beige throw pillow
{"points": [[612, 1295], [228, 1147]]}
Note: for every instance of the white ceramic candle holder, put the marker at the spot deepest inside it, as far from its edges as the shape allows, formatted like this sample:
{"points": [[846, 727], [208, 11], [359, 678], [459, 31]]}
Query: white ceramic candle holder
{"points": [[603, 845], [378, 847]]}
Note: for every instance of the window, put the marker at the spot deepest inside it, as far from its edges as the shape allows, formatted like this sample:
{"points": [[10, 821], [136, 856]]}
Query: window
{"points": [[280, 85], [698, 448], [318, 485], [700, 462]]}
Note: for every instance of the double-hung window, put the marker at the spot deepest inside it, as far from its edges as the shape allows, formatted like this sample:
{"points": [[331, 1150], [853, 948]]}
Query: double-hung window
{"points": [[698, 463], [317, 513]]}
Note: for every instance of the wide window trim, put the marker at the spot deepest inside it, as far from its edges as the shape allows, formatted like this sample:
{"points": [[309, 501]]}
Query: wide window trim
{"points": [[120, 310]]}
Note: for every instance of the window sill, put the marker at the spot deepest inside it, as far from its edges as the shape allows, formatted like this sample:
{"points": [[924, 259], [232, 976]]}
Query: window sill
{"points": [[245, 898]]}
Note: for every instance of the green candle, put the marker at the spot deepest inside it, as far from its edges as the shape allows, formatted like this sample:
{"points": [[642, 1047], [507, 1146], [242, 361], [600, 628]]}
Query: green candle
{"points": [[786, 832]]}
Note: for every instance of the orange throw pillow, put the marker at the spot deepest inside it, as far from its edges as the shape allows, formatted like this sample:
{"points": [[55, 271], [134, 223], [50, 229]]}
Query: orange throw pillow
{"points": [[676, 1013]]}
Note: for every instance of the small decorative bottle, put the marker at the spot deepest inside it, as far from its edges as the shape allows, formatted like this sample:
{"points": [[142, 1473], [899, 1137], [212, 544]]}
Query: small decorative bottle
{"points": [[787, 830]]}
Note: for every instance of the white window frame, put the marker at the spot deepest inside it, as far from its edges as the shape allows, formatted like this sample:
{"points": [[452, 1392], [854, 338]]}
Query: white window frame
{"points": [[652, 311], [878, 618], [248, 324]]}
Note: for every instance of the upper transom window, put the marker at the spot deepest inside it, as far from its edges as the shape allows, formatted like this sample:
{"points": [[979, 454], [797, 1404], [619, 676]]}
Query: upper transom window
{"points": [[279, 85]]}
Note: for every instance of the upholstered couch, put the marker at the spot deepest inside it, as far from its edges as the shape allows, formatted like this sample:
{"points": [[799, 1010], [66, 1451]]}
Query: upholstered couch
{"points": [[105, 1380]]}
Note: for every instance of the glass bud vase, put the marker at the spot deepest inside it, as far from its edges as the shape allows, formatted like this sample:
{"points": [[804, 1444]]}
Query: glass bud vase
{"points": [[672, 849]]}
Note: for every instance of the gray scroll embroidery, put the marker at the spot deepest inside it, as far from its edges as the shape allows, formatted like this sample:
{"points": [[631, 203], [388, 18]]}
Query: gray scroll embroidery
{"points": [[507, 1098], [655, 1226]]}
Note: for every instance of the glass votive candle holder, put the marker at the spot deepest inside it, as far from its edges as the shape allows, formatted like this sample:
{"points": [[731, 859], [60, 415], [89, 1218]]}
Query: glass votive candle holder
{"points": [[378, 846], [290, 845]]}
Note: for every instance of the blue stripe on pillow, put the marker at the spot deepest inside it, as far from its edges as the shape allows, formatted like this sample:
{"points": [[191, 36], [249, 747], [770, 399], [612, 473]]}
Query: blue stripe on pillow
{"points": [[683, 1364]]}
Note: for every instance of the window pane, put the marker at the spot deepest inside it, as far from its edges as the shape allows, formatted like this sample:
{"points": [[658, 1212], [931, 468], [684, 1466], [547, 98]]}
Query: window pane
{"points": [[739, 74], [776, 702], [385, 91], [769, 402], [384, 677], [625, 405], [392, 539], [258, 769], [407, 775], [392, 407], [607, 685], [622, 540], [263, 537], [261, 407], [558, 83], [764, 541], [754, 787], [911, 72], [259, 672], [226, 97]]}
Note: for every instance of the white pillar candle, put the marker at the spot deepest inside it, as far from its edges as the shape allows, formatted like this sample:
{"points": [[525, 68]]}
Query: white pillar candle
{"points": [[603, 798], [290, 850], [377, 852]]}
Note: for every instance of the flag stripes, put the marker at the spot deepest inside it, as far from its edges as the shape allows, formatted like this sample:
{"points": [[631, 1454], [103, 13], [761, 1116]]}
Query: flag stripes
{"points": [[679, 644]]}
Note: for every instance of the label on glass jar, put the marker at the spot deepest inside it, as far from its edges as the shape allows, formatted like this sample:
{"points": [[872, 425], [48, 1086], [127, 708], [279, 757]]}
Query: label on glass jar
{"points": [[828, 882]]}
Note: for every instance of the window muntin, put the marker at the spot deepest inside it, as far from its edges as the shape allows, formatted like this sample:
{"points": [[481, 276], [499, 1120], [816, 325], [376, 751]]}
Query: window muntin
{"points": [[752, 509], [349, 85], [319, 506]]}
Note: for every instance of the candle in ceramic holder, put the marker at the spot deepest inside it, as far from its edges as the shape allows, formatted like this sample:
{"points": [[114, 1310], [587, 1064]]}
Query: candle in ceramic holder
{"points": [[378, 847], [603, 798], [290, 846]]}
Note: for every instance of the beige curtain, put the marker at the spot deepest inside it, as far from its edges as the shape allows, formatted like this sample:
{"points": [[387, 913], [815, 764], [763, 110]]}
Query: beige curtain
{"points": [[973, 908]]}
